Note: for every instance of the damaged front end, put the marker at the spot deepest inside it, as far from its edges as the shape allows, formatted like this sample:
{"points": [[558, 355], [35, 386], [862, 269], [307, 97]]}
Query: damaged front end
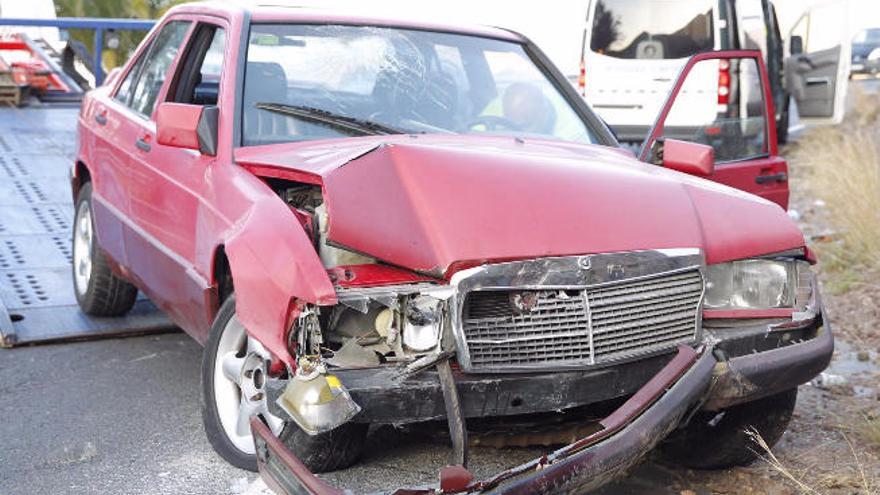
{"points": [[624, 437], [502, 339]]}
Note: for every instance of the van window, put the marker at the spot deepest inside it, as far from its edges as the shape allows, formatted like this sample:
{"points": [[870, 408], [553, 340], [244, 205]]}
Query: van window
{"points": [[652, 29]]}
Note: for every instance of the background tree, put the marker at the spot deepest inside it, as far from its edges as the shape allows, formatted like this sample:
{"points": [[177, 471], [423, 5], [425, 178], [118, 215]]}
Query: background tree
{"points": [[126, 9]]}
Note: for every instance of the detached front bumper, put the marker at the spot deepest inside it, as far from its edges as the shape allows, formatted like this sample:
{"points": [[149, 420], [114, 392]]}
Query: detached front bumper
{"points": [[751, 365], [628, 433]]}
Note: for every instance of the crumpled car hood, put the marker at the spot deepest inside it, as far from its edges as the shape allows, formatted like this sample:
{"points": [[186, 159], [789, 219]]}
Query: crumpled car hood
{"points": [[434, 204]]}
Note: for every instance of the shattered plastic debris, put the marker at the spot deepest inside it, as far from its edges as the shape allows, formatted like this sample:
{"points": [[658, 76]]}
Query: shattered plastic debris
{"points": [[353, 355], [831, 382]]}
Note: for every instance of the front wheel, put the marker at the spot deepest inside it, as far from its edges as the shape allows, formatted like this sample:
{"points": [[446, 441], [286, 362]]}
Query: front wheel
{"points": [[233, 389], [234, 376], [717, 440]]}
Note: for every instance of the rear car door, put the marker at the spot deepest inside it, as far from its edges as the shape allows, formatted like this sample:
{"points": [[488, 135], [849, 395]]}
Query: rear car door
{"points": [[107, 128], [741, 131], [817, 70]]}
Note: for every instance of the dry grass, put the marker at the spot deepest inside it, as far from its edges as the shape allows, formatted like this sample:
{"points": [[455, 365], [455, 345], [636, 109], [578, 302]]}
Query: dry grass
{"points": [[841, 166], [855, 479], [870, 431]]}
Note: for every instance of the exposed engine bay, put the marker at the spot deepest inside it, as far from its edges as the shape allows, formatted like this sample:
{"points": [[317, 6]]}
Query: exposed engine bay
{"points": [[376, 325], [307, 203], [369, 326]]}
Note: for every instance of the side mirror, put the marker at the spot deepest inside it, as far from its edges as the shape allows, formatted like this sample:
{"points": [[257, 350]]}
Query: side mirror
{"points": [[187, 126], [690, 158], [796, 45]]}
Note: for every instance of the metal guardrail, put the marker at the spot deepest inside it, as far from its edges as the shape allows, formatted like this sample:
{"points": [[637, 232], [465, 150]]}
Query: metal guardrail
{"points": [[98, 25]]}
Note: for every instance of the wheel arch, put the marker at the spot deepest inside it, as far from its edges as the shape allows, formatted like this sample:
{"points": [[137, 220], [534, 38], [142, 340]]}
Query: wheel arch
{"points": [[221, 280], [81, 175]]}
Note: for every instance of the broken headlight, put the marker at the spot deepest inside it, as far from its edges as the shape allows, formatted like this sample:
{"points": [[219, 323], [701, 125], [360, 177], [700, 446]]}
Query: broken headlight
{"points": [[758, 284], [421, 323]]}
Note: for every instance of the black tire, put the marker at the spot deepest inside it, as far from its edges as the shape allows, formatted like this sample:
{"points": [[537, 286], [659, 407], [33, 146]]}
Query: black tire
{"points": [[718, 440], [336, 449], [104, 293]]}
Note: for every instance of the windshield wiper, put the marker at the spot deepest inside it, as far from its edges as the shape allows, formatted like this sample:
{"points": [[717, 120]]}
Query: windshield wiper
{"points": [[330, 119]]}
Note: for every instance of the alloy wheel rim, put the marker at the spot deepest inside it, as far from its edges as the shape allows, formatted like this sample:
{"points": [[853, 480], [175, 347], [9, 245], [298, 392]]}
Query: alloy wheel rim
{"points": [[82, 248], [240, 386]]}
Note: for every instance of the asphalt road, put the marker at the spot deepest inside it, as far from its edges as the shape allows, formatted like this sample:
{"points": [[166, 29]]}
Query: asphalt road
{"points": [[122, 416], [111, 416]]}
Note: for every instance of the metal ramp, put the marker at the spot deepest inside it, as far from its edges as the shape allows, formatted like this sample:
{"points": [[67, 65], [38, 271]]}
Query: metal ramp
{"points": [[37, 303]]}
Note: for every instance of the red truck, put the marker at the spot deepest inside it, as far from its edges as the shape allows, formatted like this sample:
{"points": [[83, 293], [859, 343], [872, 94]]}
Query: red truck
{"points": [[379, 221]]}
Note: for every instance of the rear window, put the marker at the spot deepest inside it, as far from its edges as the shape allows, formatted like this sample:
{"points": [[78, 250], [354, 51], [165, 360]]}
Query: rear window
{"points": [[652, 29], [868, 36]]}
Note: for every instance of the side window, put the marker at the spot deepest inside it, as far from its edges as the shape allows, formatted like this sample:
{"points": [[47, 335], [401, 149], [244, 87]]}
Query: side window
{"points": [[123, 95], [198, 79], [152, 76], [721, 104]]}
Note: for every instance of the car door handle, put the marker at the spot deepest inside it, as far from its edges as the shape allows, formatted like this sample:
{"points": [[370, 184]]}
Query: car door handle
{"points": [[101, 118], [765, 179], [142, 144]]}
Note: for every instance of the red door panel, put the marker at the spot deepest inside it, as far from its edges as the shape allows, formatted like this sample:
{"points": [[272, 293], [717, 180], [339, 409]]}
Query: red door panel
{"points": [[766, 177], [723, 99]]}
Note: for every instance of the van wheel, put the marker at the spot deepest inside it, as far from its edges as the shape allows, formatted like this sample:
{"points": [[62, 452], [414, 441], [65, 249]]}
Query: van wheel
{"points": [[717, 440], [98, 290], [234, 376]]}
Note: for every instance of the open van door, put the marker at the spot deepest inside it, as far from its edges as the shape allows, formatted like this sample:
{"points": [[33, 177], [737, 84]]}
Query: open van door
{"points": [[739, 139], [818, 65]]}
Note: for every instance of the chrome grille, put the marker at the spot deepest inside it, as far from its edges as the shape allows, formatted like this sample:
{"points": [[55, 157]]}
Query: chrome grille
{"points": [[589, 326]]}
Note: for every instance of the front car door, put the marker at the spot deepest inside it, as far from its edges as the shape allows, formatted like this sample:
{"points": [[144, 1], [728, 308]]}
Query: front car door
{"points": [[817, 70], [741, 130], [174, 204]]}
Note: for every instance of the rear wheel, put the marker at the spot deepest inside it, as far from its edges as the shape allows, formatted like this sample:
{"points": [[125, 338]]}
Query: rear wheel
{"points": [[98, 290], [234, 376], [717, 440]]}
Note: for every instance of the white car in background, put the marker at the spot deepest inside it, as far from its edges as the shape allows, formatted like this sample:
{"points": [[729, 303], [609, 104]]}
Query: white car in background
{"points": [[633, 49]]}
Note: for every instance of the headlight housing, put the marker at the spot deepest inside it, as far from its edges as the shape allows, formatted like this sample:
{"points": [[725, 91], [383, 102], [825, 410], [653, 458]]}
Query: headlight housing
{"points": [[758, 284], [422, 323]]}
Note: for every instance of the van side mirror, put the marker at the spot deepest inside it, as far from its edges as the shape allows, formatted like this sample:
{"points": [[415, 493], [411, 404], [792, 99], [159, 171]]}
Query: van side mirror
{"points": [[188, 126], [796, 45], [690, 158]]}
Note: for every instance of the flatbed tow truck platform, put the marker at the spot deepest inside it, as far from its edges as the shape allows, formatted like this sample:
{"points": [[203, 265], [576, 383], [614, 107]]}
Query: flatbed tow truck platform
{"points": [[37, 302]]}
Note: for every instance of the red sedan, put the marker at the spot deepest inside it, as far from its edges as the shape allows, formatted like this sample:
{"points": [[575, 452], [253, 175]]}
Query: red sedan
{"points": [[376, 221]]}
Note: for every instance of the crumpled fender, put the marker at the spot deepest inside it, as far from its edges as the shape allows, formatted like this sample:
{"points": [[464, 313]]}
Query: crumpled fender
{"points": [[273, 263]]}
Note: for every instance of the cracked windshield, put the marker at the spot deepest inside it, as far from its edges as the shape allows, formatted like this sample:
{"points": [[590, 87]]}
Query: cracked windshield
{"points": [[392, 81]]}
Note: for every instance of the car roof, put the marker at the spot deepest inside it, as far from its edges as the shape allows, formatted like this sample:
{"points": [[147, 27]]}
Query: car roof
{"points": [[292, 13]]}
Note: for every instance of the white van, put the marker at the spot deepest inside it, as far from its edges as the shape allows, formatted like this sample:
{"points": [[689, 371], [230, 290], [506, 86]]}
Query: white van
{"points": [[633, 50]]}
